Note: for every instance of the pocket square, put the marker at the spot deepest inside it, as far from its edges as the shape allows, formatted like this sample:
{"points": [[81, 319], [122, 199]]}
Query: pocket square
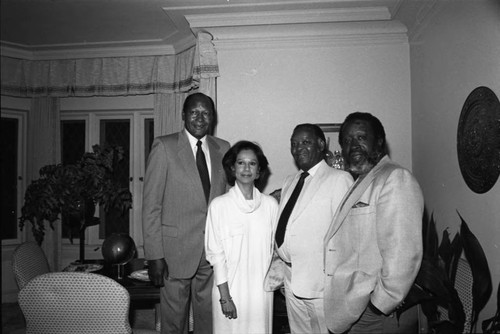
{"points": [[360, 205]]}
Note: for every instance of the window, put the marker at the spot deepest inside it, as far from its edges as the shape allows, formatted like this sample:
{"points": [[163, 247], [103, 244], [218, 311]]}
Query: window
{"points": [[13, 172], [130, 129]]}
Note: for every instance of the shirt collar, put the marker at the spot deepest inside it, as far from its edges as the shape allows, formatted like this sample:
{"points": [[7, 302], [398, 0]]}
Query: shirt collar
{"points": [[193, 140], [313, 169]]}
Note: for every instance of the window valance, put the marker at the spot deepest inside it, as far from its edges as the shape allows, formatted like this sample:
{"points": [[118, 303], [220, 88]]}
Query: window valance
{"points": [[108, 76]]}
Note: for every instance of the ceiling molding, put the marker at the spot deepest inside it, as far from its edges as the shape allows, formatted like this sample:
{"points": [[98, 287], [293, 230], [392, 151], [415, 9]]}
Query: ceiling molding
{"points": [[422, 19], [104, 52], [309, 35], [416, 15], [289, 17]]}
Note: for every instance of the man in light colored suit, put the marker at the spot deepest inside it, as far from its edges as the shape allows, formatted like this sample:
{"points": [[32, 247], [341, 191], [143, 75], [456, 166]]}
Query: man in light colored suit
{"points": [[174, 213], [299, 239], [373, 249]]}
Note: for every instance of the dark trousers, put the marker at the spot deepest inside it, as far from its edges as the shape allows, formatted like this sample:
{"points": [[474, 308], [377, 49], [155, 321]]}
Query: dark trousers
{"points": [[372, 323], [176, 296]]}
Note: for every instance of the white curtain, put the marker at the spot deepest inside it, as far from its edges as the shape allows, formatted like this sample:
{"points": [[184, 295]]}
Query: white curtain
{"points": [[204, 68], [168, 113], [44, 148], [97, 76]]}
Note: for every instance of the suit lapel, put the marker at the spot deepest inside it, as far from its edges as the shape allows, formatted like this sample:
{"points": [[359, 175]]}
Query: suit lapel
{"points": [[311, 190], [351, 198]]}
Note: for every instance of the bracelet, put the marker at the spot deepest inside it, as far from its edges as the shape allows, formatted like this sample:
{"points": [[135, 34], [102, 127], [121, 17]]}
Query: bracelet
{"points": [[223, 301]]}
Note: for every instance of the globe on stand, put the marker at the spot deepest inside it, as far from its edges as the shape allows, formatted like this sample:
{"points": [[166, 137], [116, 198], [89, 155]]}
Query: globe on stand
{"points": [[118, 249]]}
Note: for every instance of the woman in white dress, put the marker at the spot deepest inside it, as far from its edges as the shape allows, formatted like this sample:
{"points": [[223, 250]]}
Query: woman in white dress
{"points": [[238, 244]]}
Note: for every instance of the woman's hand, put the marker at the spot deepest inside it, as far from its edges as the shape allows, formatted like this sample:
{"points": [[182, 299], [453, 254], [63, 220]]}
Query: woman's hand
{"points": [[228, 308], [226, 302]]}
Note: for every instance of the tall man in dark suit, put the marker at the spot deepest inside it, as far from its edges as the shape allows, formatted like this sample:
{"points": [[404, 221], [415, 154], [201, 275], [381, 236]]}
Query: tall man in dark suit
{"points": [[182, 176]]}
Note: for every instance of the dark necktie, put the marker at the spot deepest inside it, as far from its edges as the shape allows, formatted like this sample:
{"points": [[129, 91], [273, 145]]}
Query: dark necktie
{"points": [[287, 211], [201, 163]]}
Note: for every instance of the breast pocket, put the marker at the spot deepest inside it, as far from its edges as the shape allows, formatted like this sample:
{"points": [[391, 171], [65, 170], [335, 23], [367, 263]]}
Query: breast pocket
{"points": [[234, 230], [232, 244], [360, 209], [361, 224]]}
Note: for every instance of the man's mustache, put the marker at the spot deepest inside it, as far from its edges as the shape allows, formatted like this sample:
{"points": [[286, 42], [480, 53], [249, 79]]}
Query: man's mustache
{"points": [[372, 158]]}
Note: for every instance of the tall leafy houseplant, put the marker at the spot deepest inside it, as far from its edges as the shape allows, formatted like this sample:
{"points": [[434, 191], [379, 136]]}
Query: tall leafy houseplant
{"points": [[434, 287], [71, 193]]}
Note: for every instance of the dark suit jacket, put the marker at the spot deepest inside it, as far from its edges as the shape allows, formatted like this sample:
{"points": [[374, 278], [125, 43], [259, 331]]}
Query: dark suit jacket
{"points": [[174, 207]]}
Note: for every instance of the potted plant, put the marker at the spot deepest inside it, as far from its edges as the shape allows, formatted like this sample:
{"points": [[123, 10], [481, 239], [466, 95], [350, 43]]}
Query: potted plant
{"points": [[434, 288], [71, 192]]}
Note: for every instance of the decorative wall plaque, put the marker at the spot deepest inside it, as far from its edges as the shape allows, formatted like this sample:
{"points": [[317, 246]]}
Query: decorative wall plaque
{"points": [[478, 140]]}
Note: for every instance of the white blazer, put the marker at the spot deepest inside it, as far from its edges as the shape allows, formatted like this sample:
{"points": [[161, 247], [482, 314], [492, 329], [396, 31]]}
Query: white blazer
{"points": [[373, 249], [307, 226]]}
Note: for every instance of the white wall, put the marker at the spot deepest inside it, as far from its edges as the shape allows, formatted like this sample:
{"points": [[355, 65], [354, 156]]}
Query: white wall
{"points": [[263, 93], [458, 50]]}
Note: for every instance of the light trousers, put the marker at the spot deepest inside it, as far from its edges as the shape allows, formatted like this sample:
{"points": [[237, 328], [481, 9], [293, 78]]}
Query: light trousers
{"points": [[305, 315]]}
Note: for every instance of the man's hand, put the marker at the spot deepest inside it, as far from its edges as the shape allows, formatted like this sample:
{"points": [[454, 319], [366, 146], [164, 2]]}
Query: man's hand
{"points": [[157, 270]]}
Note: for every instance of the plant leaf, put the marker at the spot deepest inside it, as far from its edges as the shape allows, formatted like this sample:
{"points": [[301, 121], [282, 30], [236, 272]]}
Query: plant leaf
{"points": [[481, 277], [430, 241], [445, 251], [456, 248]]}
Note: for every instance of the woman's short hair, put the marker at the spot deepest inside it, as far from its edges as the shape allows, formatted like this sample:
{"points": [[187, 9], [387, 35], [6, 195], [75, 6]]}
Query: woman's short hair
{"points": [[230, 158]]}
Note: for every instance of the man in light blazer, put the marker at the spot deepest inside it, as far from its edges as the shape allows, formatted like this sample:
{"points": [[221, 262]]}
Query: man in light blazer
{"points": [[373, 249], [174, 215], [301, 244]]}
